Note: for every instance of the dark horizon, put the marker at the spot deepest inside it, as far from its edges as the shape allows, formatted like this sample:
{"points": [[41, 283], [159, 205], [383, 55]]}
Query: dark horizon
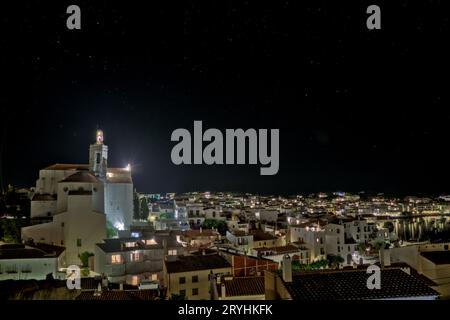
{"points": [[357, 109]]}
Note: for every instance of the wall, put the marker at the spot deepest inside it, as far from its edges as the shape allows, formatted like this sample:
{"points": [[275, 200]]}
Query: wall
{"points": [[39, 267], [119, 203], [203, 283]]}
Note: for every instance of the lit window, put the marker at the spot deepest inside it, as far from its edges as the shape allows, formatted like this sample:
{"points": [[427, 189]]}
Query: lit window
{"points": [[154, 277], [116, 259], [172, 252], [150, 242], [130, 244], [135, 256], [134, 280]]}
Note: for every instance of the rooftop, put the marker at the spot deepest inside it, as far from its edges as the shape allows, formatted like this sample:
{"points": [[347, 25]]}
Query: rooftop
{"points": [[245, 286], [194, 263], [437, 257], [352, 285], [81, 176], [20, 251], [66, 166], [119, 295]]}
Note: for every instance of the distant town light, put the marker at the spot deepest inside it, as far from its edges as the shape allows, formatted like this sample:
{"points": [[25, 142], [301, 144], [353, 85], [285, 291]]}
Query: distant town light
{"points": [[128, 167]]}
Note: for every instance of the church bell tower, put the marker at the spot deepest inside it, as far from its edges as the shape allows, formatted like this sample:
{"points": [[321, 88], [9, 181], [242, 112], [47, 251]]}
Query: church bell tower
{"points": [[98, 156]]}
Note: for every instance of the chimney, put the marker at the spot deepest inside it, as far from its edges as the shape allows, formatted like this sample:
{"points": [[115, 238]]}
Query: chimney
{"points": [[223, 290], [385, 257], [287, 268]]}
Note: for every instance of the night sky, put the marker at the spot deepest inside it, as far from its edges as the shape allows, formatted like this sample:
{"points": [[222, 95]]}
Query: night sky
{"points": [[357, 109]]}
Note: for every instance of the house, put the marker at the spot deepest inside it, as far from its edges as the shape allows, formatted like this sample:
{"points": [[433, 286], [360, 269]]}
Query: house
{"points": [[132, 260], [296, 252], [312, 235], [264, 239], [193, 276], [240, 239], [197, 239], [24, 262]]}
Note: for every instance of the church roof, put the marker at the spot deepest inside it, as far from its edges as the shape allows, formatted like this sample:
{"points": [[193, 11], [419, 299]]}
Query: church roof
{"points": [[67, 166], [81, 176]]}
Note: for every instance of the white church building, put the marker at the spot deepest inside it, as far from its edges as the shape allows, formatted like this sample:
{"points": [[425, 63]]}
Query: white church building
{"points": [[72, 203]]}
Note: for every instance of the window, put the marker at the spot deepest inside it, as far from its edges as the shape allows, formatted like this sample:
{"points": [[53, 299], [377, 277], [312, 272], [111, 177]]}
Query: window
{"points": [[78, 242], [446, 247], [154, 277], [322, 251], [183, 293], [214, 214], [182, 280], [97, 160], [116, 259], [339, 249], [135, 256], [134, 280], [338, 231], [194, 279], [62, 224], [195, 292], [172, 252]]}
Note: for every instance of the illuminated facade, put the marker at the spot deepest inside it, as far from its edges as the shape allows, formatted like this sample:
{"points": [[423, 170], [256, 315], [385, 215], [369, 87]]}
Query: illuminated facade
{"points": [[87, 195]]}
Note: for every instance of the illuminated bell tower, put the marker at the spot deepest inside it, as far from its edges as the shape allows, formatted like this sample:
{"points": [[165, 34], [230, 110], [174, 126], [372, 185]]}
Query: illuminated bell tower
{"points": [[98, 156]]}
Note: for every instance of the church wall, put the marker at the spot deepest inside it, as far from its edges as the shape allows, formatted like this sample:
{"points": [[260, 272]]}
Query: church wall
{"points": [[48, 180], [79, 203], [63, 193], [119, 203], [89, 227], [39, 233], [42, 208]]}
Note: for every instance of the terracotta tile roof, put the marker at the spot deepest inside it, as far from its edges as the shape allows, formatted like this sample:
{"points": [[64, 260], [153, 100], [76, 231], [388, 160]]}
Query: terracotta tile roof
{"points": [[352, 285], [81, 176], [282, 249], [66, 166], [119, 295], [259, 235], [246, 286], [194, 263]]}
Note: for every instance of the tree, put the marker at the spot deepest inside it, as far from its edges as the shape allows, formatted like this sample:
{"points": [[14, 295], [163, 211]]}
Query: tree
{"points": [[145, 211], [111, 231], [136, 206], [220, 225], [334, 261], [321, 264], [11, 230], [84, 257]]}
